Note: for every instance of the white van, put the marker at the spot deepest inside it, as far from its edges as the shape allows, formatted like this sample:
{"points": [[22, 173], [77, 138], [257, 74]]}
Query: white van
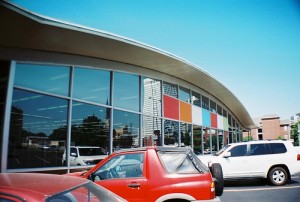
{"points": [[84, 155]]}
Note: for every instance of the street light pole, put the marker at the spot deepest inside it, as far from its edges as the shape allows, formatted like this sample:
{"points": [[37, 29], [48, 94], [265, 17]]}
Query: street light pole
{"points": [[298, 133]]}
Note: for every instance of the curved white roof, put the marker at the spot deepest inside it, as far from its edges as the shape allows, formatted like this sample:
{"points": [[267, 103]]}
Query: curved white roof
{"points": [[22, 29]]}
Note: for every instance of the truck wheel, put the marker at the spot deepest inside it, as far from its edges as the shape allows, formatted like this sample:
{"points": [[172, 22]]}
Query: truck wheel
{"points": [[217, 173], [278, 176]]}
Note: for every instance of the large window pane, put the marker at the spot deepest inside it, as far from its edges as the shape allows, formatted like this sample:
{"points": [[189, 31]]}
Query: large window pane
{"points": [[126, 91], [196, 99], [125, 130], [197, 139], [186, 134], [214, 140], [4, 74], [171, 132], [205, 103], [151, 131], [206, 141], [52, 79], [90, 128], [213, 106], [37, 130], [170, 89], [184, 95], [151, 96], [92, 85]]}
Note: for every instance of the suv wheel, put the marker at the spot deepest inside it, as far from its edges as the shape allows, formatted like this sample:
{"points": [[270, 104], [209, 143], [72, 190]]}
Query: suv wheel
{"points": [[278, 176], [217, 173]]}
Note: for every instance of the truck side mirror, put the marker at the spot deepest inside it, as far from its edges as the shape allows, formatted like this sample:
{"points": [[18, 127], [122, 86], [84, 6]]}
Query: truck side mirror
{"points": [[227, 155], [73, 154]]}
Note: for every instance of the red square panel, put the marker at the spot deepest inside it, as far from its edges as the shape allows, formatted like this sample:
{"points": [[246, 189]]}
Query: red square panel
{"points": [[171, 107], [214, 120]]}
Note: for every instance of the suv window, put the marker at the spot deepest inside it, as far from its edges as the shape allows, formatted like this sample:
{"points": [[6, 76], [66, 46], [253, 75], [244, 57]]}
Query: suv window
{"points": [[122, 166], [240, 150], [278, 148], [259, 149]]}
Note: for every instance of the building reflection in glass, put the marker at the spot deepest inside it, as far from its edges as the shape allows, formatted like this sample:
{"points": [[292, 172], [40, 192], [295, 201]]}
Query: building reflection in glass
{"points": [[185, 135], [171, 131], [151, 131], [125, 130]]}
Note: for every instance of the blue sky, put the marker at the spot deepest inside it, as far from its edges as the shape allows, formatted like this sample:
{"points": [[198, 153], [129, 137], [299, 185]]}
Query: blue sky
{"points": [[251, 46]]}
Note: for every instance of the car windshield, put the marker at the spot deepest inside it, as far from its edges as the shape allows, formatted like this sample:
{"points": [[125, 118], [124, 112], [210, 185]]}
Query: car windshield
{"points": [[88, 192], [222, 150], [91, 151]]}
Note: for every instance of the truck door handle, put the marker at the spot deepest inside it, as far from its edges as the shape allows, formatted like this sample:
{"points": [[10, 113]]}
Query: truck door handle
{"points": [[134, 185]]}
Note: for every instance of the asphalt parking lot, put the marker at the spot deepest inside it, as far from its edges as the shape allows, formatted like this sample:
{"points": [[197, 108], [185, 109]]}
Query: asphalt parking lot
{"points": [[260, 190]]}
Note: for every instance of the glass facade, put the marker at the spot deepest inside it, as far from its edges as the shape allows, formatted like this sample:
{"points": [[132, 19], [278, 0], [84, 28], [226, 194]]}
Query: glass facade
{"points": [[57, 107]]}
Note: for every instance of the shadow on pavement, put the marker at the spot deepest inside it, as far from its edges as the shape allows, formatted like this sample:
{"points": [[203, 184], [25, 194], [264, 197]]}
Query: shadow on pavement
{"points": [[252, 182]]}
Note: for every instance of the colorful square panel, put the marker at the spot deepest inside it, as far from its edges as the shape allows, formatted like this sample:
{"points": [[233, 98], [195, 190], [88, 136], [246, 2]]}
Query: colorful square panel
{"points": [[214, 120], [171, 107], [220, 122], [197, 115], [185, 112], [206, 117]]}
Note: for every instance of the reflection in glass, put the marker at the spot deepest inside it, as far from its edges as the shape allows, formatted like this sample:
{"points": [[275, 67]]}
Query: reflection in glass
{"points": [[126, 91], [197, 139], [92, 85], [225, 137], [206, 141], [213, 106], [171, 131], [151, 131], [230, 136], [220, 139], [185, 135], [38, 130], [52, 79], [151, 95], [205, 103], [90, 125], [125, 130], [170, 89], [214, 140], [184, 95], [196, 99], [4, 75]]}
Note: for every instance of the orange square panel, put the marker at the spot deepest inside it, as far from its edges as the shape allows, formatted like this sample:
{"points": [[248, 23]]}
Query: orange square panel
{"points": [[185, 112]]}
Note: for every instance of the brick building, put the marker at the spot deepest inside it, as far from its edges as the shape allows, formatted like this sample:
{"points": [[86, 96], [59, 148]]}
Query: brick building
{"points": [[270, 127]]}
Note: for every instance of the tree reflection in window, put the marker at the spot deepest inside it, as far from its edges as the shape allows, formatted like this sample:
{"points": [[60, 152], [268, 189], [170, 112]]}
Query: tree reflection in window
{"points": [[38, 130], [90, 125]]}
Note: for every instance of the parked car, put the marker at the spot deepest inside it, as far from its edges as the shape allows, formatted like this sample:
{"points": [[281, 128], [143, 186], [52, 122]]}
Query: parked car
{"points": [[157, 174], [84, 155], [33, 187], [275, 160]]}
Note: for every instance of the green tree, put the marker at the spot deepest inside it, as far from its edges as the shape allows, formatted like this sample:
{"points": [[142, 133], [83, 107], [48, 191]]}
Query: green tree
{"points": [[295, 133], [247, 138]]}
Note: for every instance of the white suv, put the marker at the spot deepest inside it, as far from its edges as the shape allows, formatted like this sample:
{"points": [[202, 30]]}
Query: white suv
{"points": [[84, 155], [276, 160]]}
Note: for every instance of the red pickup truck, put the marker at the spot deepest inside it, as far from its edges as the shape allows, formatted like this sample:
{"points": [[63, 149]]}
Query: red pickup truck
{"points": [[161, 174]]}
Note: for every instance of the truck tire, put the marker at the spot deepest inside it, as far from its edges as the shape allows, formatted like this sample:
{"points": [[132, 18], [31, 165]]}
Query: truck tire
{"points": [[217, 173], [278, 176]]}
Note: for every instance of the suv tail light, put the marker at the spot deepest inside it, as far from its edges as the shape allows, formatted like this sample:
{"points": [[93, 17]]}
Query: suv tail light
{"points": [[212, 190], [298, 157]]}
